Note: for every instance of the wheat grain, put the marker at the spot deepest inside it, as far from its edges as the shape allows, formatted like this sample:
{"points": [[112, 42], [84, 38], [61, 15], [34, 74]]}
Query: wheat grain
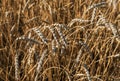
{"points": [[53, 47]]}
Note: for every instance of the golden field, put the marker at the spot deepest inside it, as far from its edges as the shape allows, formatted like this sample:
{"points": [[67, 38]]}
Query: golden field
{"points": [[59, 40]]}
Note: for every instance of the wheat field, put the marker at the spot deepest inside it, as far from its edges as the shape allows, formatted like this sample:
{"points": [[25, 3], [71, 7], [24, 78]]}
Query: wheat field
{"points": [[59, 40]]}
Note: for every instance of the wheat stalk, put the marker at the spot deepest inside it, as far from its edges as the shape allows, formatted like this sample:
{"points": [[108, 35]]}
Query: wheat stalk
{"points": [[31, 5], [28, 1]]}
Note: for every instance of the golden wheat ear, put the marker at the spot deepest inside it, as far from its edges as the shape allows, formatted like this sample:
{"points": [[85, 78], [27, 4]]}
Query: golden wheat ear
{"points": [[39, 67], [59, 30], [87, 72], [52, 30], [77, 20], [96, 5], [39, 33], [17, 71]]}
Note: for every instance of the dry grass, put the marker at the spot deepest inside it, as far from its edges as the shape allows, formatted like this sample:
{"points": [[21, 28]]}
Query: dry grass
{"points": [[59, 40]]}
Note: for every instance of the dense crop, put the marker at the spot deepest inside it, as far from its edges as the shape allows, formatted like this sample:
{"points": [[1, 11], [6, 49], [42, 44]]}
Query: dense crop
{"points": [[59, 40]]}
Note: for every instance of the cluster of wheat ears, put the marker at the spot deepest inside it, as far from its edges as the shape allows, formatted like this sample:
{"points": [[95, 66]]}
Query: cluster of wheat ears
{"points": [[59, 40]]}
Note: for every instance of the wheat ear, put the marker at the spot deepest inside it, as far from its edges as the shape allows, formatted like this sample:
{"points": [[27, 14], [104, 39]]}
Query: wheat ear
{"points": [[28, 39], [87, 72], [17, 67], [93, 15], [77, 20], [96, 5], [39, 67], [59, 29], [39, 33], [54, 35]]}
